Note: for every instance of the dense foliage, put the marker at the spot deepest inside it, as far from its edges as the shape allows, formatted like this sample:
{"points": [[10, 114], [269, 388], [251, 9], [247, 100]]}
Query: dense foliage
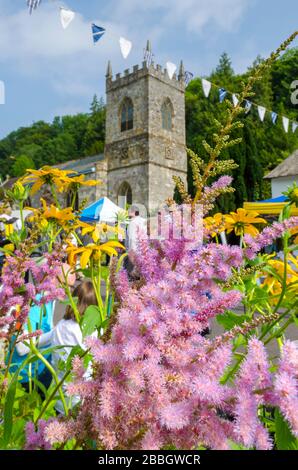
{"points": [[263, 146]]}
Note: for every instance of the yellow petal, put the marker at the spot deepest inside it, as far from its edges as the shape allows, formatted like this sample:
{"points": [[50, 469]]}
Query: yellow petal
{"points": [[85, 258]]}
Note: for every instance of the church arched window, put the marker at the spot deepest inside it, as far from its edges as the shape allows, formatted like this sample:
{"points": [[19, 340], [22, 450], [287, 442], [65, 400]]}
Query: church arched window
{"points": [[124, 195], [126, 115], [167, 115]]}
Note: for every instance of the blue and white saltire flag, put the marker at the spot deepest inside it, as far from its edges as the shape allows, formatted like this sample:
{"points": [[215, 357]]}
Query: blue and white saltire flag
{"points": [[222, 94], [274, 117], [248, 105], [32, 5], [97, 32]]}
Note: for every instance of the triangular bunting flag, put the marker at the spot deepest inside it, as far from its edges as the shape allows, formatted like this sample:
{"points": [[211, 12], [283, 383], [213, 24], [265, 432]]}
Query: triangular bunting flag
{"points": [[2, 92], [97, 32], [125, 47], [171, 68], [66, 17], [235, 100], [248, 105], [294, 124], [262, 112], [206, 87], [285, 123], [32, 5], [274, 117], [222, 94]]}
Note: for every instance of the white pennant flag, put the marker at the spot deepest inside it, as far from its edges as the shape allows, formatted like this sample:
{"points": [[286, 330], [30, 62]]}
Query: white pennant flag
{"points": [[66, 16], [285, 123], [206, 87], [171, 68], [235, 100], [294, 126], [262, 112], [125, 46]]}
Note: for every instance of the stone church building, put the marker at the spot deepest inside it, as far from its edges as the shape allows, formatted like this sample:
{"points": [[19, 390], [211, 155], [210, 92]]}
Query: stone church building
{"points": [[145, 138]]}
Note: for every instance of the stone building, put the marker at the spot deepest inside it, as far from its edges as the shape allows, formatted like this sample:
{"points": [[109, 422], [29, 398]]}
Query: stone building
{"points": [[145, 139], [145, 135]]}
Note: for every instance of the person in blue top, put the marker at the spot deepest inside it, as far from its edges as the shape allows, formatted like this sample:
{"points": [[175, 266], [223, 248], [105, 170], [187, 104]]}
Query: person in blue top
{"points": [[41, 318]]}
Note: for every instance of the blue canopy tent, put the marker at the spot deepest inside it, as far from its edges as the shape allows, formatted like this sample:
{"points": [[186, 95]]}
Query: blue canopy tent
{"points": [[103, 210]]}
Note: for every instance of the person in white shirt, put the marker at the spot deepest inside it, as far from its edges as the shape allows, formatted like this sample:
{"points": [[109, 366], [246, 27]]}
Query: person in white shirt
{"points": [[68, 333], [137, 229]]}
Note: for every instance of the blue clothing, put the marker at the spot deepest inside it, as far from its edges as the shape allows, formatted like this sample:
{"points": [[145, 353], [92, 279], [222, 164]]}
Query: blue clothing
{"points": [[41, 318]]}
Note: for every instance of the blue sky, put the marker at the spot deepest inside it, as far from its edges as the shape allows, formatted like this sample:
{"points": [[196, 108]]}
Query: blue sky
{"points": [[49, 71]]}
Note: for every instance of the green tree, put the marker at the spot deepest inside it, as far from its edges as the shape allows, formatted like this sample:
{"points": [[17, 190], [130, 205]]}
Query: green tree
{"points": [[21, 164]]}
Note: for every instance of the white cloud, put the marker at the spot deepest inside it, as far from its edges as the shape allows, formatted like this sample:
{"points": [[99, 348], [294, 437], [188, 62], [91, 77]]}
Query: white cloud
{"points": [[37, 46]]}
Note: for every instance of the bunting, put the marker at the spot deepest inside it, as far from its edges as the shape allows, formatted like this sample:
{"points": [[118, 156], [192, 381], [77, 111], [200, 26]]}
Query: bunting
{"points": [[97, 32], [273, 117], [235, 100], [66, 17], [125, 47], [248, 105], [285, 123], [222, 94], [171, 69], [32, 5], [262, 112], [206, 87]]}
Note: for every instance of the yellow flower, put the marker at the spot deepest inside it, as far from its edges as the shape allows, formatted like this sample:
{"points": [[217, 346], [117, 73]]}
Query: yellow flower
{"points": [[92, 251], [52, 213], [63, 179], [243, 221], [47, 175], [215, 224], [273, 284], [96, 231]]}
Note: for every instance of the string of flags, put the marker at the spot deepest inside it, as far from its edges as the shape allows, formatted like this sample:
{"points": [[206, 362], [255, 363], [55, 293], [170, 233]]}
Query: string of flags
{"points": [[222, 94]]}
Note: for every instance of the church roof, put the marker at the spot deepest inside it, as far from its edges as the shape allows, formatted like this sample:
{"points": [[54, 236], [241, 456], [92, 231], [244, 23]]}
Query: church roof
{"points": [[289, 167], [82, 166]]}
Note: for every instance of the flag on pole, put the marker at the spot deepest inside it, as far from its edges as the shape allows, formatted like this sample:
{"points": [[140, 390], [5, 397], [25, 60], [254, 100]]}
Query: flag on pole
{"points": [[171, 68], [235, 100], [294, 125], [262, 112], [66, 16], [97, 32], [248, 105], [285, 123], [125, 47], [274, 117], [32, 5], [206, 87], [2, 92], [222, 94]]}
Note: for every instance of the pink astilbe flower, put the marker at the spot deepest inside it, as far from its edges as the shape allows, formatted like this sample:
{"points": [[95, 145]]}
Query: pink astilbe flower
{"points": [[157, 380], [35, 439], [267, 236], [286, 385]]}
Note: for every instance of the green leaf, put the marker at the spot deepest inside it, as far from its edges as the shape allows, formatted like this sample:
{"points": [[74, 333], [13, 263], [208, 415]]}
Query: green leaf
{"points": [[91, 320], [229, 319], [8, 408], [284, 438]]}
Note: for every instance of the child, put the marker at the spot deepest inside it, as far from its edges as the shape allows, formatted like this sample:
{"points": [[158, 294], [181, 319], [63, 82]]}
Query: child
{"points": [[68, 333]]}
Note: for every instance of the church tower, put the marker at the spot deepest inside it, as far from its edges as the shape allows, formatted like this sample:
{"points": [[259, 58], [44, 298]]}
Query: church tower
{"points": [[145, 134]]}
